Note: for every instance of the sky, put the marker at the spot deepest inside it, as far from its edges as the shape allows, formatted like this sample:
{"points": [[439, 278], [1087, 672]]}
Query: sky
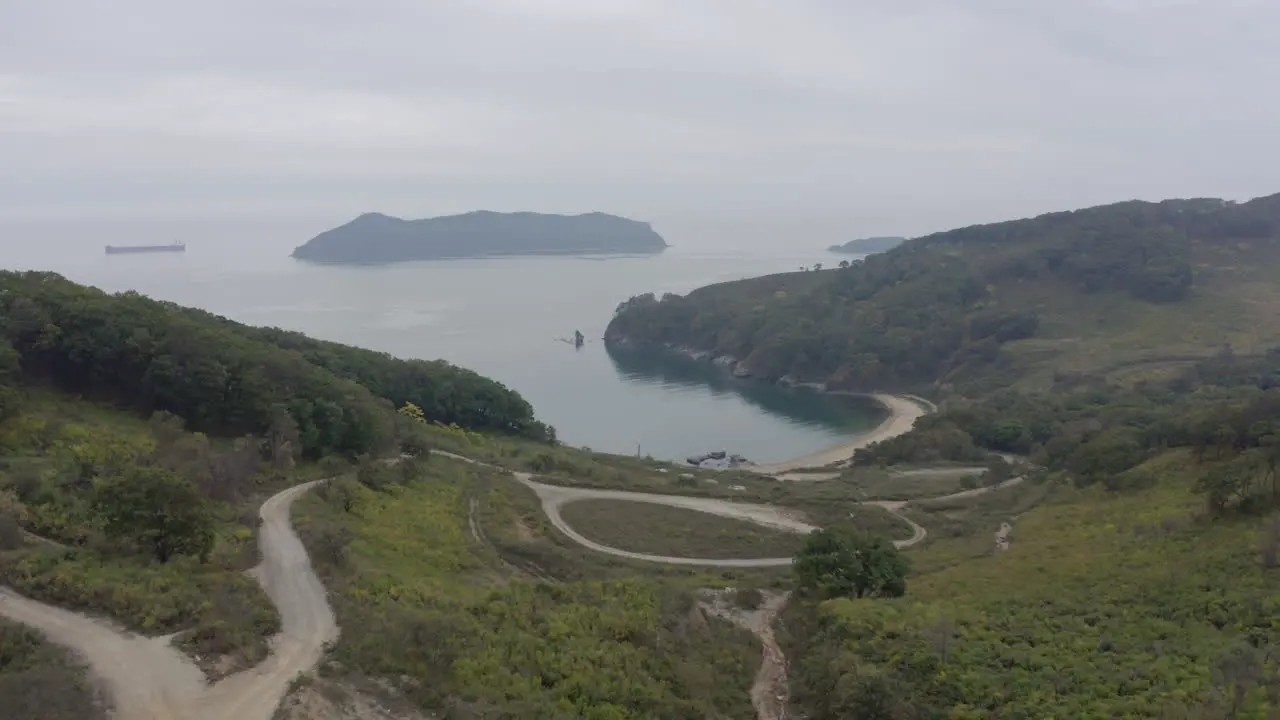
{"points": [[765, 121]]}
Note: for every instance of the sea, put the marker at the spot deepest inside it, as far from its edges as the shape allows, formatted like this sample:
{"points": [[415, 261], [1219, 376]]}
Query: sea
{"points": [[511, 319]]}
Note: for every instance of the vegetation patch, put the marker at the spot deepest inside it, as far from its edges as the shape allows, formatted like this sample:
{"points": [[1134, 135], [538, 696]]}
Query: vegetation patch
{"points": [[140, 522], [915, 484], [221, 614], [676, 532], [41, 680], [1105, 605], [423, 598]]}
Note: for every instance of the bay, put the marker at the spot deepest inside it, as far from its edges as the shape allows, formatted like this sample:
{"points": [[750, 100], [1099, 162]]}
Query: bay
{"points": [[506, 318]]}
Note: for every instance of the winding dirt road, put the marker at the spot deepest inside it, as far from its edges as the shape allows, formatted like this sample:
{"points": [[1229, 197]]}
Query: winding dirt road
{"points": [[553, 497], [148, 679]]}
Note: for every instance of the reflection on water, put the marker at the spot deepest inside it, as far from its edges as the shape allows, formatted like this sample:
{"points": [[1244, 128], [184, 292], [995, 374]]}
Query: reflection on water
{"points": [[802, 406]]}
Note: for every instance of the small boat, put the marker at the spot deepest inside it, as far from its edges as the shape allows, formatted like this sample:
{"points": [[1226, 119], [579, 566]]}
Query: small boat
{"points": [[130, 249]]}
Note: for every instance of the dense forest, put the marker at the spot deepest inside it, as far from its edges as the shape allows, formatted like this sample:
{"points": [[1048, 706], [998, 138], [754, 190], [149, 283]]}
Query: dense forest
{"points": [[227, 379], [944, 308]]}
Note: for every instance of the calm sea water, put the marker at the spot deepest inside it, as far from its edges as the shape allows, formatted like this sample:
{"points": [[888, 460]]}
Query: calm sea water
{"points": [[504, 318]]}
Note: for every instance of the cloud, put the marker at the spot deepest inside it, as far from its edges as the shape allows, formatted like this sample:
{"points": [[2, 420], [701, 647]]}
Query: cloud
{"points": [[909, 115]]}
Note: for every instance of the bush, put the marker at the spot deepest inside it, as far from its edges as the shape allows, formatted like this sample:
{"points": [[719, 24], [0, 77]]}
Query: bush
{"points": [[748, 598], [341, 492], [843, 562], [1271, 543], [158, 510], [10, 533]]}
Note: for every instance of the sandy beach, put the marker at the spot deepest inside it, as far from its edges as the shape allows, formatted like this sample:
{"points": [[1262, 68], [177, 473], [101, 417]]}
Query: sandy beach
{"points": [[903, 414]]}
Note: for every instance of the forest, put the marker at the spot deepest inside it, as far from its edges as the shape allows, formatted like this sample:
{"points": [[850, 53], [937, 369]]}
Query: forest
{"points": [[944, 310], [227, 379], [1224, 409]]}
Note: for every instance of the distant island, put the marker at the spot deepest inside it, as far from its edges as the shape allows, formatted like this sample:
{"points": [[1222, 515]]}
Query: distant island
{"points": [[378, 238], [868, 245]]}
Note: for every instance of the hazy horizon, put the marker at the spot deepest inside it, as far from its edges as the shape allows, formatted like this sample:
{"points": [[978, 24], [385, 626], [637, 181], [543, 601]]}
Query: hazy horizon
{"points": [[724, 124]]}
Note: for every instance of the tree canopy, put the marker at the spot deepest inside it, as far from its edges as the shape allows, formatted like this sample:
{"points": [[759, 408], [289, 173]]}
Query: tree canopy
{"points": [[157, 509], [844, 562]]}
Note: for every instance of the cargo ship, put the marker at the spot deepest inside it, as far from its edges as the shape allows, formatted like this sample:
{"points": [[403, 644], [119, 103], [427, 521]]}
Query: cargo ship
{"points": [[123, 249]]}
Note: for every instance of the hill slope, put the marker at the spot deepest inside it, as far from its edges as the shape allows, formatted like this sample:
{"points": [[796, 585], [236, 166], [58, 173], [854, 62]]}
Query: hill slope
{"points": [[868, 245], [980, 307], [377, 238], [230, 379]]}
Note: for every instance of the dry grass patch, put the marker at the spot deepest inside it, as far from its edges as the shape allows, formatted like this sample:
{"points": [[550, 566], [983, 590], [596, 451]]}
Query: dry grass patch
{"points": [[661, 530]]}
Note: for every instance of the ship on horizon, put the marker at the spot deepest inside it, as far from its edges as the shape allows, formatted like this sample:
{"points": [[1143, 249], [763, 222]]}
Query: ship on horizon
{"points": [[127, 249]]}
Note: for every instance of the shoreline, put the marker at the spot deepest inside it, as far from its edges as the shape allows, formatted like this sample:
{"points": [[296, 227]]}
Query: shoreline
{"points": [[903, 414], [904, 411]]}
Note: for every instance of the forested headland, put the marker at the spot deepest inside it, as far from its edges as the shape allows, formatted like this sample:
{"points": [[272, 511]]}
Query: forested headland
{"points": [[978, 308], [228, 379]]}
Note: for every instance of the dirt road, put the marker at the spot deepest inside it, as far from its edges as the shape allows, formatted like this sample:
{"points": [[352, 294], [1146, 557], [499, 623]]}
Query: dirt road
{"points": [[146, 678], [770, 690], [150, 680], [307, 621], [555, 496]]}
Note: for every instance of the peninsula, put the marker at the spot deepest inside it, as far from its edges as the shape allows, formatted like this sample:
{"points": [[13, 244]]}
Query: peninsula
{"points": [[868, 245], [374, 238]]}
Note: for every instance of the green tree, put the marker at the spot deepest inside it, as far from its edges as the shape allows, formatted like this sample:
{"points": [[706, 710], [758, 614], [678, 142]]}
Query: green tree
{"points": [[844, 562], [413, 412], [157, 509]]}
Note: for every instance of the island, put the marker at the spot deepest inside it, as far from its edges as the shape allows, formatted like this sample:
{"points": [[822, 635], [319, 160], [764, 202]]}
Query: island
{"points": [[868, 245], [374, 238]]}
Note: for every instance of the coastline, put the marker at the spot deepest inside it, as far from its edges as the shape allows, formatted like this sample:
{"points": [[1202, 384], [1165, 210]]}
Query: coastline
{"points": [[903, 414], [904, 411]]}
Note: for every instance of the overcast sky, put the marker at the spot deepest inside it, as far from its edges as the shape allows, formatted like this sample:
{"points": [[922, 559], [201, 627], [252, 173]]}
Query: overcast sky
{"points": [[794, 117]]}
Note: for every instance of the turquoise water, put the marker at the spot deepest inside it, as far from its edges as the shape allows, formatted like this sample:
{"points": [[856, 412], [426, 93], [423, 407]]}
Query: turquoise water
{"points": [[504, 318]]}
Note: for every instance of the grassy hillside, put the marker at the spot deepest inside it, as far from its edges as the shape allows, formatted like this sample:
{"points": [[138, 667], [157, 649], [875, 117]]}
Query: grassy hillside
{"points": [[39, 680], [57, 457], [1142, 574], [1105, 605], [1033, 301], [453, 582]]}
